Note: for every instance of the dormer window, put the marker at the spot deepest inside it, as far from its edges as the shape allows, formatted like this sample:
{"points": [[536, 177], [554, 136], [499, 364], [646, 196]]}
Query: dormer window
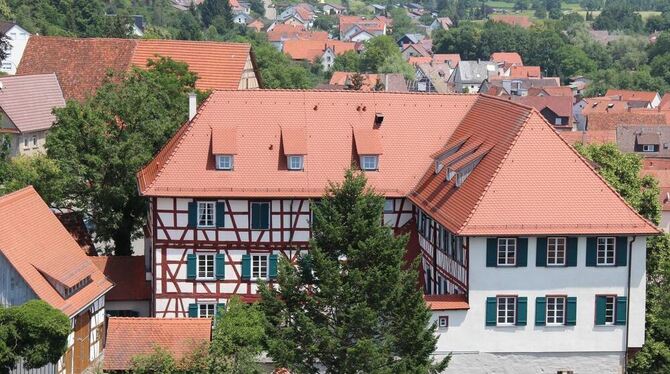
{"points": [[370, 162], [295, 162], [224, 162]]}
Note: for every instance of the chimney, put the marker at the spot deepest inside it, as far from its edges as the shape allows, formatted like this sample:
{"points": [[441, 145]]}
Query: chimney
{"points": [[192, 105]]}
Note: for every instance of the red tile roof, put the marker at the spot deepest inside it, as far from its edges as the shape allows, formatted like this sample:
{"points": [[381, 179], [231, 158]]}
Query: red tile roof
{"points": [[561, 105], [29, 100], [341, 78], [452, 58], [413, 60], [506, 57], [522, 21], [663, 178], [589, 137], [665, 102], [309, 50], [446, 302], [557, 91], [534, 192], [282, 32], [629, 95], [129, 337], [414, 126], [525, 72], [82, 65], [370, 25], [128, 275], [37, 245], [610, 121]]}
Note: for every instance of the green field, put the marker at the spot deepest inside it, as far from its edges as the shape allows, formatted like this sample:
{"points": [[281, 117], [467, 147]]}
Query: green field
{"points": [[497, 4]]}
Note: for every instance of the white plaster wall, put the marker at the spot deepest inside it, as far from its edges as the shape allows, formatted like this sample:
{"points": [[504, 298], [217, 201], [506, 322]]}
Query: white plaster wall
{"points": [[18, 39], [467, 331]]}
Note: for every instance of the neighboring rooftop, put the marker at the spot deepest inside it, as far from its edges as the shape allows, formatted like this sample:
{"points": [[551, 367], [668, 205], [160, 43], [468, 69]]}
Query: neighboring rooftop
{"points": [[129, 337], [506, 58], [29, 100], [310, 50], [610, 121], [447, 302], [128, 275]]}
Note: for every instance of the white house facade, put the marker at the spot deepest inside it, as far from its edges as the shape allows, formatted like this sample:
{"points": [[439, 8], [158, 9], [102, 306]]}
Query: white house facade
{"points": [[17, 38]]}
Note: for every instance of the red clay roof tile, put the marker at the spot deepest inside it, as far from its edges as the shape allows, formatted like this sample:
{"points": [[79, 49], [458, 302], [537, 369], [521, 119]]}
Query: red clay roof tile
{"points": [[224, 140], [310, 50], [127, 273]]}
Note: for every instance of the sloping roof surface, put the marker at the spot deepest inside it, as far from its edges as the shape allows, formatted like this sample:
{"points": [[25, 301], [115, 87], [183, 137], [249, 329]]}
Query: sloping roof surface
{"points": [[561, 105], [629, 95], [507, 57], [414, 126], [309, 50], [82, 65], [533, 192], [128, 275], [282, 32], [129, 337], [35, 243], [589, 137], [524, 72], [6, 26], [475, 71], [610, 121], [29, 100], [446, 302], [452, 58]]}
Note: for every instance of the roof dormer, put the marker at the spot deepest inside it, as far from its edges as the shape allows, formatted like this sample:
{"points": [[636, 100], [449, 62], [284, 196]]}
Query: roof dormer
{"points": [[449, 149], [368, 148], [294, 147], [224, 147]]}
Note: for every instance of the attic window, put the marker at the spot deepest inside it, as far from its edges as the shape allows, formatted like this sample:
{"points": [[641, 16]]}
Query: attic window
{"points": [[449, 149], [224, 162], [368, 147], [462, 169], [370, 162], [294, 146], [295, 162], [69, 291], [224, 147], [379, 118]]}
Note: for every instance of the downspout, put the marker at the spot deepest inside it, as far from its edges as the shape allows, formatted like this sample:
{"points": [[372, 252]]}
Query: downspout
{"points": [[630, 265]]}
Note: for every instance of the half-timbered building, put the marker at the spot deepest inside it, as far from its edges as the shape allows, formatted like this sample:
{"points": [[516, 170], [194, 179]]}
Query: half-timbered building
{"points": [[508, 219]]}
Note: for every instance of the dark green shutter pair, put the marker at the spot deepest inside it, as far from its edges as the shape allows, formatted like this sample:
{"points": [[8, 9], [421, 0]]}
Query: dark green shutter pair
{"points": [[260, 216], [620, 310], [492, 252], [620, 251], [219, 266], [246, 266], [193, 309], [220, 212], [492, 311], [541, 311], [570, 252]]}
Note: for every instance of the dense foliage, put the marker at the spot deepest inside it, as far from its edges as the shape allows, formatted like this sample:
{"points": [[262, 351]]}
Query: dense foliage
{"points": [[34, 332], [364, 314]]}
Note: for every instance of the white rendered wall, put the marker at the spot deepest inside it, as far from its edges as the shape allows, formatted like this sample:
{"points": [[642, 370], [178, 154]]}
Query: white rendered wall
{"points": [[467, 331], [18, 39]]}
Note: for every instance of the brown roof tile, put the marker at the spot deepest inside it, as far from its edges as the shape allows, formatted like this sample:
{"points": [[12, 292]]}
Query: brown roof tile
{"points": [[506, 57], [309, 50], [446, 302], [128, 275], [610, 121]]}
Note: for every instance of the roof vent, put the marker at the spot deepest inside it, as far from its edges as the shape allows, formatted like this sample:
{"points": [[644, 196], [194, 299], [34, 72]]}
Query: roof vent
{"points": [[379, 118]]}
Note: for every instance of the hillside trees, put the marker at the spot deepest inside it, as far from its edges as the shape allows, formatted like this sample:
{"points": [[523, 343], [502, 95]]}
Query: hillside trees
{"points": [[362, 315]]}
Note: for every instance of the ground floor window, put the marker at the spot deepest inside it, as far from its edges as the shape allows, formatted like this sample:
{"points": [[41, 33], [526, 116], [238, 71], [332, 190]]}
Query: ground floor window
{"points": [[506, 306], [555, 310]]}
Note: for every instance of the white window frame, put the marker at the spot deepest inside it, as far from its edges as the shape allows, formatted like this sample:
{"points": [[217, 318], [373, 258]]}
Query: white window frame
{"points": [[34, 141], [26, 143], [257, 271], [606, 251], [506, 310], [557, 250], [370, 162], [610, 309], [646, 148], [208, 262], [203, 209], [443, 322], [555, 314], [297, 166], [224, 162], [507, 247], [204, 310]]}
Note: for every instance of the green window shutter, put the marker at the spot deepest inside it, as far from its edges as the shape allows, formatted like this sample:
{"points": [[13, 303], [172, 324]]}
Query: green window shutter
{"points": [[571, 254], [220, 308], [591, 251], [255, 216], [522, 249], [246, 267], [571, 312], [192, 214], [540, 311], [600, 309], [522, 311], [491, 252], [220, 266], [220, 214], [541, 252], [193, 310], [621, 250], [190, 266], [620, 310], [265, 216], [272, 273], [491, 312]]}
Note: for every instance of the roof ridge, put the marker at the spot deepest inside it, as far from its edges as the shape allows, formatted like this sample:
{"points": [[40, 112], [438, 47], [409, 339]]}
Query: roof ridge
{"points": [[502, 161], [355, 92]]}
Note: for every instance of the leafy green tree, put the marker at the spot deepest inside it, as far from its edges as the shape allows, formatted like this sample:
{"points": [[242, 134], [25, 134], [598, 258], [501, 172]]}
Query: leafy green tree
{"points": [[395, 63], [278, 71], [543, 50], [463, 39], [158, 361], [189, 27], [591, 5], [35, 332], [325, 22], [39, 171], [362, 315], [238, 338], [662, 45], [348, 61], [212, 9], [574, 61], [101, 143], [618, 15], [257, 7], [521, 4], [377, 50], [660, 67], [402, 24], [86, 18], [501, 37]]}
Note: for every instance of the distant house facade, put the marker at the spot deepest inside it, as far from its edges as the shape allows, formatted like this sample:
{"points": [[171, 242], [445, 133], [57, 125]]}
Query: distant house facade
{"points": [[469, 75], [333, 9], [17, 38], [51, 267], [360, 29], [26, 105]]}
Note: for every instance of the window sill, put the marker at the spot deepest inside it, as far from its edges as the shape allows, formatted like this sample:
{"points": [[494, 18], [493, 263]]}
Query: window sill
{"points": [[205, 227], [205, 279]]}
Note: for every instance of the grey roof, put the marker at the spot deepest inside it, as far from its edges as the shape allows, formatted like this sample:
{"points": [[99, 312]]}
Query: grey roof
{"points": [[6, 26], [28, 100], [631, 138], [475, 71], [438, 74]]}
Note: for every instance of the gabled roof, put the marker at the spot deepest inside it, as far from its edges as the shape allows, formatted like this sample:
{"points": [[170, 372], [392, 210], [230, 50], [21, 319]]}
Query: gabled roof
{"points": [[560, 105], [507, 57], [82, 65], [29, 100], [630, 95], [589, 137], [129, 337], [419, 47], [368, 25], [128, 275], [475, 71], [37, 245], [533, 193], [556, 91], [282, 32], [309, 50], [525, 72], [414, 126], [451, 58], [610, 121], [6, 26]]}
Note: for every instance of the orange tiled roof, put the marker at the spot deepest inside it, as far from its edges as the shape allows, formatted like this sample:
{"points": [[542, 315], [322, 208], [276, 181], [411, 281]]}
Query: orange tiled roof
{"points": [[129, 337], [452, 58], [589, 137], [414, 126], [522, 21], [413, 60], [81, 65], [446, 302], [525, 72], [610, 121], [558, 91], [370, 25], [37, 245], [535, 193], [128, 275], [282, 32], [604, 105], [629, 95], [309, 50], [506, 57], [665, 102]]}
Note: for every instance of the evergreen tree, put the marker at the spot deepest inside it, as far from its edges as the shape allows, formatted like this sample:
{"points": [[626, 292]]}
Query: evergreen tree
{"points": [[351, 305], [212, 9]]}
